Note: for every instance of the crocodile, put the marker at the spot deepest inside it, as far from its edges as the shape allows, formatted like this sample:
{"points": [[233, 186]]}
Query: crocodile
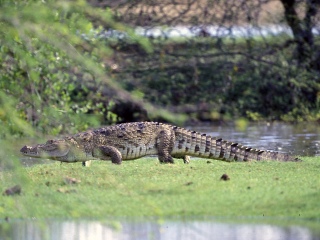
{"points": [[128, 141]]}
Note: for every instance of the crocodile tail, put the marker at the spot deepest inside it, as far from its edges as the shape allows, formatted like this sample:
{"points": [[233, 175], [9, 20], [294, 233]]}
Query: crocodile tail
{"points": [[282, 157], [204, 146], [229, 151]]}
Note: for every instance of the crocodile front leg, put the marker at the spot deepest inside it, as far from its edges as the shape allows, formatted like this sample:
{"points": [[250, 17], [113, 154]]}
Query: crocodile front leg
{"points": [[107, 152]]}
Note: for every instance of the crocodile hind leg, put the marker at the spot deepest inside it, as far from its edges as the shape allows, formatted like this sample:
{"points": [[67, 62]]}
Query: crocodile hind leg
{"points": [[86, 163], [107, 152], [165, 143]]}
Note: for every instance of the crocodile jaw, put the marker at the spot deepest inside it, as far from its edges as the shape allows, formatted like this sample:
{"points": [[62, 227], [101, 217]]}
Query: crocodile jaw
{"points": [[45, 151]]}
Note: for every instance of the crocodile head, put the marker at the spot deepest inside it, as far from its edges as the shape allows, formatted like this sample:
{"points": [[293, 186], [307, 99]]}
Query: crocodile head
{"points": [[52, 149], [77, 148]]}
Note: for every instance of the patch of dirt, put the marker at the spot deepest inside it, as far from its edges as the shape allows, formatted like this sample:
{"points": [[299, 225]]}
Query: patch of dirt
{"points": [[225, 177], [12, 191]]}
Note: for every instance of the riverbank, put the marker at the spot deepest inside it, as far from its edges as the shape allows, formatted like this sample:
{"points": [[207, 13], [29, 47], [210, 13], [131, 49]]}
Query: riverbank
{"points": [[146, 188]]}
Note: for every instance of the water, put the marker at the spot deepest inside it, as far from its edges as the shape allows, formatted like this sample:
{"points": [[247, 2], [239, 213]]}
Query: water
{"points": [[300, 139], [215, 31], [134, 230]]}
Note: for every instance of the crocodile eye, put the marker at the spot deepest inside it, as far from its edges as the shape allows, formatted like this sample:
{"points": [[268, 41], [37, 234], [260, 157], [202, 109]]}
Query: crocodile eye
{"points": [[49, 147], [86, 136]]}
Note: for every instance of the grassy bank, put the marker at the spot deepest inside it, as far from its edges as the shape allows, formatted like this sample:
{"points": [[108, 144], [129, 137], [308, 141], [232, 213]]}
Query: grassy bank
{"points": [[147, 188]]}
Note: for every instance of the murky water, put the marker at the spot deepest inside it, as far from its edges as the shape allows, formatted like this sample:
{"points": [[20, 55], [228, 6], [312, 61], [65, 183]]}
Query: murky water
{"points": [[171, 230], [301, 139]]}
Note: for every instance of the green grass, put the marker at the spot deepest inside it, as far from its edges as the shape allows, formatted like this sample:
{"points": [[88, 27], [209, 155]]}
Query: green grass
{"points": [[146, 188]]}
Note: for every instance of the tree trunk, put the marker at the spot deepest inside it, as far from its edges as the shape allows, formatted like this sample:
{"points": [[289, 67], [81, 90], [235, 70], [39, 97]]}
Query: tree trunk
{"points": [[302, 30]]}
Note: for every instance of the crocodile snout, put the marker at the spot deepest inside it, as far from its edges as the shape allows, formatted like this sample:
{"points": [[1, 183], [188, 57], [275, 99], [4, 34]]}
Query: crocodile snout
{"points": [[24, 149], [28, 149]]}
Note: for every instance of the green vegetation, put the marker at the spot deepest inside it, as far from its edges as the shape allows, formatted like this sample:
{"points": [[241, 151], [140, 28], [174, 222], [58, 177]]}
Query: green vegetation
{"points": [[232, 83], [52, 64], [65, 75], [147, 188], [273, 77]]}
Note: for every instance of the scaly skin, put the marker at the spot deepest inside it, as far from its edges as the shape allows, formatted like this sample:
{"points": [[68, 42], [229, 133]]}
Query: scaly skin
{"points": [[129, 141]]}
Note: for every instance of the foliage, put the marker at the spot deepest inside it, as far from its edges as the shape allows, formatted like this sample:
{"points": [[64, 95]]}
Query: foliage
{"points": [[235, 64], [71, 66], [52, 64], [229, 85], [12, 125], [11, 119]]}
